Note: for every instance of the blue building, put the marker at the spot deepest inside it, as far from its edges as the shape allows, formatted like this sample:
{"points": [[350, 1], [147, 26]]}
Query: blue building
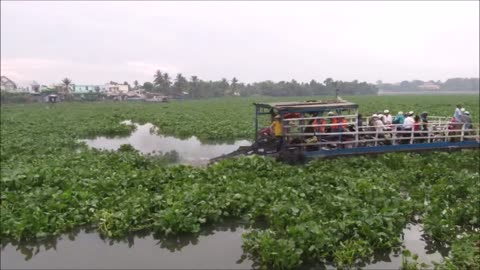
{"points": [[82, 89]]}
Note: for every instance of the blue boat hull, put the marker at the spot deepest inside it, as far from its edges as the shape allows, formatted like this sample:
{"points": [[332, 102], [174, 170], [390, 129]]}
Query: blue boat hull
{"points": [[436, 146]]}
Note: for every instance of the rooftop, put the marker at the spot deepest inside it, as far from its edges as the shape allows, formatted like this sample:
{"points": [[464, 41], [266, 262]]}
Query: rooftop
{"points": [[311, 104]]}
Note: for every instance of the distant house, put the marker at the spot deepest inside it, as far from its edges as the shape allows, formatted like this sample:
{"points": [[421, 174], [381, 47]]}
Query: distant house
{"points": [[8, 85], [82, 89], [134, 93], [115, 89], [34, 87], [44, 88], [429, 86]]}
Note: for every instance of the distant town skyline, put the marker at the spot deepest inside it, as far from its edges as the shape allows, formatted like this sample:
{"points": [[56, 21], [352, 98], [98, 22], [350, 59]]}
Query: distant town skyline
{"points": [[252, 41]]}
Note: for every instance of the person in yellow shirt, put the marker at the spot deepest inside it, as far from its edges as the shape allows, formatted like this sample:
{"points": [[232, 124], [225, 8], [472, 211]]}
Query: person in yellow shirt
{"points": [[277, 128]]}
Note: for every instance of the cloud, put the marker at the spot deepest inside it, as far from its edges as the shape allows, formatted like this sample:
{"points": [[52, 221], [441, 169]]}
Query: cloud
{"points": [[21, 68], [147, 68], [51, 70], [249, 40]]}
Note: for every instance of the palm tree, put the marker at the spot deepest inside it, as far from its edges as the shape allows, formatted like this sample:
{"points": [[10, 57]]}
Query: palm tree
{"points": [[194, 88], [234, 85], [166, 83], [158, 78], [66, 84], [224, 85]]}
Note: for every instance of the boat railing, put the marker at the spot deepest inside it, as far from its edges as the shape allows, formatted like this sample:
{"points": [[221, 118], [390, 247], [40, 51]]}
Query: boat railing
{"points": [[353, 136]]}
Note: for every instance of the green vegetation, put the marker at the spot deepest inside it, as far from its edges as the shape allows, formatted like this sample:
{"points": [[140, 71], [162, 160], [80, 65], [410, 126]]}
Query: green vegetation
{"points": [[341, 210]]}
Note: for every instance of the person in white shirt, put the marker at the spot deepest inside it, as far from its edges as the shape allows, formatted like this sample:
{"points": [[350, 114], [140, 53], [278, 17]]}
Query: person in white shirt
{"points": [[457, 113], [378, 124], [409, 121], [408, 126], [387, 118]]}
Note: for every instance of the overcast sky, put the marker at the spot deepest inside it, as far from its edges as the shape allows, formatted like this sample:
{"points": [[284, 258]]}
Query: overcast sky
{"points": [[93, 43]]}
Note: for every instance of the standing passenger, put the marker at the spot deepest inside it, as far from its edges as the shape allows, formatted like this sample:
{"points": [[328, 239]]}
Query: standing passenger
{"points": [[387, 117], [378, 124], [423, 118], [408, 124], [359, 123], [278, 131], [467, 120], [399, 119], [416, 126], [457, 113]]}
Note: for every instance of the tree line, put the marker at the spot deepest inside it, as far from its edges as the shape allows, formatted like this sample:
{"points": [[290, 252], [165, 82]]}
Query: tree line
{"points": [[194, 87], [453, 84]]}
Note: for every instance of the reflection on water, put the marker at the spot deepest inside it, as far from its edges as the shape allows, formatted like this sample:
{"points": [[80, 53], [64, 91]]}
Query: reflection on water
{"points": [[415, 241], [216, 247], [145, 139], [219, 248]]}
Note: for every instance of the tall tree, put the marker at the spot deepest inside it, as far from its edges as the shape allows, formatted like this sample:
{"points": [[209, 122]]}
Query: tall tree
{"points": [[158, 79], [166, 83], [194, 87], [135, 84], [148, 86], [66, 84], [328, 81], [180, 85], [224, 86], [234, 84]]}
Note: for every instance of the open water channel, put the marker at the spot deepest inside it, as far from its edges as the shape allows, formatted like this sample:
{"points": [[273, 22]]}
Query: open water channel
{"points": [[218, 247], [145, 139]]}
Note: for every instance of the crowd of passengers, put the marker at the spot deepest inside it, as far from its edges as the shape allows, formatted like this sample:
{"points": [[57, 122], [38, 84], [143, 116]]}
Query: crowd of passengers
{"points": [[403, 122], [409, 121]]}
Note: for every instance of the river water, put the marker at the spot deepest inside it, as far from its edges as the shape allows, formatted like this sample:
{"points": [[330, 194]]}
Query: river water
{"points": [[145, 139], [218, 247]]}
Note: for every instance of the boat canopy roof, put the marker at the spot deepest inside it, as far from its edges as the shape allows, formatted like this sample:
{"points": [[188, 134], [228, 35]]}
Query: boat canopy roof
{"points": [[313, 105]]}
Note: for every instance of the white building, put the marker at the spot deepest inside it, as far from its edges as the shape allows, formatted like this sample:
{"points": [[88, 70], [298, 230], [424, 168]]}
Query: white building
{"points": [[429, 86], [8, 85], [115, 89], [28, 87]]}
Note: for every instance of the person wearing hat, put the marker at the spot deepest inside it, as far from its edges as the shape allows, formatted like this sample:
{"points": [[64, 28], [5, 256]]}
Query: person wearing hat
{"points": [[378, 124], [380, 116], [457, 113], [387, 119], [371, 122], [399, 119], [408, 124], [332, 120], [423, 118], [277, 128], [409, 121], [465, 119]]}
